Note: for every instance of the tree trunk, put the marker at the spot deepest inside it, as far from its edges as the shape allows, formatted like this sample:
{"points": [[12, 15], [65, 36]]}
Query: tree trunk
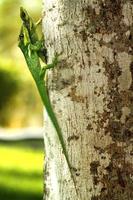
{"points": [[91, 91]]}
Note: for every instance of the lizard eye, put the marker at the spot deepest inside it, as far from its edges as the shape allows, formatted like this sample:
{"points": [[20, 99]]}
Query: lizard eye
{"points": [[21, 36]]}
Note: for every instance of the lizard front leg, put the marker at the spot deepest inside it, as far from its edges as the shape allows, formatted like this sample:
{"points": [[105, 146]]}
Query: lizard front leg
{"points": [[48, 66]]}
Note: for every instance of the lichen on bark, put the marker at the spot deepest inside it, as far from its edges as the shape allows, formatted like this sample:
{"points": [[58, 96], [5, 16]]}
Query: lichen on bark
{"points": [[92, 94]]}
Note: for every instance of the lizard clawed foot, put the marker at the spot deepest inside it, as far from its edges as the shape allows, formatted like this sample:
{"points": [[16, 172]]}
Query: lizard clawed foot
{"points": [[55, 61]]}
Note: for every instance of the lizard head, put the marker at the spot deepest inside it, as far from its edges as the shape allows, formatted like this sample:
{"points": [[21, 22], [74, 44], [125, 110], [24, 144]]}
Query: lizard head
{"points": [[26, 18], [23, 14]]}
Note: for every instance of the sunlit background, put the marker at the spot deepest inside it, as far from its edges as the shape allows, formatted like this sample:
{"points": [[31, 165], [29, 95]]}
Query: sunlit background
{"points": [[21, 143]]}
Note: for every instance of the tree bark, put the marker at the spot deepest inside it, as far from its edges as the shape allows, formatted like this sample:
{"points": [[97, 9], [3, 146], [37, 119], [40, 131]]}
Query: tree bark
{"points": [[91, 91]]}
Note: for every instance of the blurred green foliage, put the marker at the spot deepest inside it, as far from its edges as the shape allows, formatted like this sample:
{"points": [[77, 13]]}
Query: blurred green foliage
{"points": [[9, 85], [21, 170], [20, 104]]}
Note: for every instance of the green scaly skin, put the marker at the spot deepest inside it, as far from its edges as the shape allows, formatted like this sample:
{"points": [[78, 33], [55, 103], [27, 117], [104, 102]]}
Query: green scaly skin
{"points": [[36, 43], [31, 48]]}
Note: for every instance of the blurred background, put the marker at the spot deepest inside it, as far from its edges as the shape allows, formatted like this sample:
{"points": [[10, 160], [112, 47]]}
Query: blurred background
{"points": [[21, 113]]}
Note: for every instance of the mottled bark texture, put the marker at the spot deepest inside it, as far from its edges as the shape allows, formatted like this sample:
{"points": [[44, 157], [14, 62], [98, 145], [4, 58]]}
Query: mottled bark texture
{"points": [[91, 91]]}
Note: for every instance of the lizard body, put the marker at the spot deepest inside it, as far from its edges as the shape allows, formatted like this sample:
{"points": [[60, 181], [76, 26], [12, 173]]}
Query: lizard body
{"points": [[28, 43]]}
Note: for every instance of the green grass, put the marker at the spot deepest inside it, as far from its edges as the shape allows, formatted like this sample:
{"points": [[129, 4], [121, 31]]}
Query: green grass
{"points": [[21, 171]]}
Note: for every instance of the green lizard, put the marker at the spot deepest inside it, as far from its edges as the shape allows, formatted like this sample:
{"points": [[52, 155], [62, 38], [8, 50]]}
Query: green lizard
{"points": [[33, 50]]}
